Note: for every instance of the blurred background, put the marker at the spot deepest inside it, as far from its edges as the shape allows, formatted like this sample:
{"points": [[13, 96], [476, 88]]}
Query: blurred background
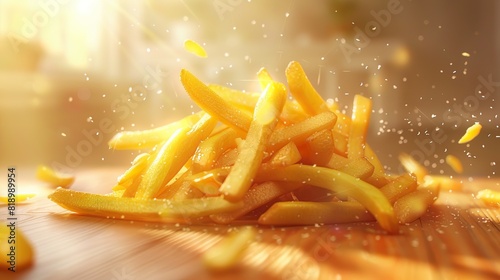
{"points": [[73, 73]]}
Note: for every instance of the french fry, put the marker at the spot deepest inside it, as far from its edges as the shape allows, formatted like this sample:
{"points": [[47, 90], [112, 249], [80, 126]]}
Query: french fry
{"points": [[55, 179], [299, 132], [318, 148], [255, 197], [227, 159], [340, 143], [489, 196], [266, 114], [264, 78], [131, 189], [399, 187], [140, 209], [302, 90], [195, 48], [295, 213], [292, 113], [20, 197], [138, 165], [172, 156], [343, 124], [378, 177], [336, 161], [414, 204], [212, 148], [444, 182], [205, 180], [339, 182], [226, 254], [244, 100], [287, 155], [361, 111], [213, 104], [23, 250], [454, 163], [360, 168], [187, 191], [413, 166], [130, 140], [470, 133], [169, 191], [157, 171]]}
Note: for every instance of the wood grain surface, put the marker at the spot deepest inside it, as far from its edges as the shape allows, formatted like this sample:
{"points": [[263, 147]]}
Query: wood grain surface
{"points": [[459, 238]]}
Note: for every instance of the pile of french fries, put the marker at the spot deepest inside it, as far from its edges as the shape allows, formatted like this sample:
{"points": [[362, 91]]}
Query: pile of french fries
{"points": [[260, 158]]}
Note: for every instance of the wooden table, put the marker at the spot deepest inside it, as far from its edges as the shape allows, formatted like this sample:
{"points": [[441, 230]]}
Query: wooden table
{"points": [[459, 238]]}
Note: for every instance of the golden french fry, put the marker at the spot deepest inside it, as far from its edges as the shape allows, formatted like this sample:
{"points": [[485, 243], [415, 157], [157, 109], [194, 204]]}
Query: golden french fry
{"points": [[292, 113], [489, 196], [414, 204], [445, 183], [336, 161], [361, 110], [287, 155], [168, 191], [244, 100], [369, 196], [454, 163], [302, 90], [227, 159], [138, 165], [23, 252], [206, 179], [212, 148], [131, 188], [195, 48], [340, 143], [226, 254], [158, 170], [299, 132], [413, 166], [378, 177], [264, 78], [399, 187], [208, 186], [213, 104], [142, 139], [471, 133], [187, 191], [140, 209], [318, 148], [19, 197], [343, 124], [360, 168], [295, 213], [255, 197], [49, 175], [172, 156], [266, 114]]}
